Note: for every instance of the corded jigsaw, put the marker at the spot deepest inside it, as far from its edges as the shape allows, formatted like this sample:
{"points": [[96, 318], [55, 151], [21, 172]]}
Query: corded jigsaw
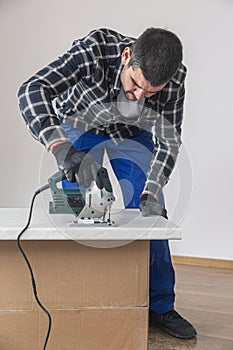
{"points": [[89, 205]]}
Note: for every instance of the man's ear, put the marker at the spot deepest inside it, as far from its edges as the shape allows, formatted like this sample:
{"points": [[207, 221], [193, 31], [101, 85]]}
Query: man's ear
{"points": [[125, 56]]}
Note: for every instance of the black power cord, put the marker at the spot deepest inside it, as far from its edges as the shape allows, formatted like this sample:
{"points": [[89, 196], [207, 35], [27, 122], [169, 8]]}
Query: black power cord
{"points": [[30, 268]]}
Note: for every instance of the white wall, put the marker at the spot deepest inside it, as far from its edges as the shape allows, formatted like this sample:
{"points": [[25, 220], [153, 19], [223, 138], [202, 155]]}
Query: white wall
{"points": [[35, 32]]}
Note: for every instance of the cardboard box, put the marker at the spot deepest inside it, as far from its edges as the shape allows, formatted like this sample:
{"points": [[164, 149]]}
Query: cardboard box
{"points": [[70, 275], [119, 329], [98, 298]]}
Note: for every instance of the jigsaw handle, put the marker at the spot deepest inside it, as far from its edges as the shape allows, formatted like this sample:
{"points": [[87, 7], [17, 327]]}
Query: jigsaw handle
{"points": [[103, 180]]}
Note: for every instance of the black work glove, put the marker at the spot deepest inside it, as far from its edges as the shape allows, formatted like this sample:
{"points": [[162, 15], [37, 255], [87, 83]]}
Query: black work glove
{"points": [[77, 165], [150, 207]]}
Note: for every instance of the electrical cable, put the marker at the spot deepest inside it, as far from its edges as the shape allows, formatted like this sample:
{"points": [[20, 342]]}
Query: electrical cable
{"points": [[30, 267]]}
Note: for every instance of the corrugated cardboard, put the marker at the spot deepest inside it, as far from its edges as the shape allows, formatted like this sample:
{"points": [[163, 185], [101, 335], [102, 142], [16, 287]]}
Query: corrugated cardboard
{"points": [[70, 275], [119, 329], [98, 298]]}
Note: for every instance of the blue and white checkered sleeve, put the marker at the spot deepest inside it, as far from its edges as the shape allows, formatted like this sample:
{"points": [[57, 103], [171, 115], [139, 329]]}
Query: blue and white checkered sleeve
{"points": [[35, 96], [168, 141]]}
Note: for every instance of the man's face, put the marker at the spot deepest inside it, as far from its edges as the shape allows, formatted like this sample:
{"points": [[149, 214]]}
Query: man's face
{"points": [[133, 82]]}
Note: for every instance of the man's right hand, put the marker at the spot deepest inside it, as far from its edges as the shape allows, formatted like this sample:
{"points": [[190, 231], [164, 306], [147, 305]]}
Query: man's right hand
{"points": [[78, 166]]}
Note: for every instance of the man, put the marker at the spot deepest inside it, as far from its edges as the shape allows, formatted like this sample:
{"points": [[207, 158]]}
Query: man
{"points": [[124, 96]]}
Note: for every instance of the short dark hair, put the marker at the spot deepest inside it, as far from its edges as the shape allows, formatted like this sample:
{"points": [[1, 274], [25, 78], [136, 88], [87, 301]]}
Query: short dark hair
{"points": [[158, 53]]}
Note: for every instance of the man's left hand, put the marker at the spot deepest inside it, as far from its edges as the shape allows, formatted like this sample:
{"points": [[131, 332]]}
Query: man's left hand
{"points": [[150, 207]]}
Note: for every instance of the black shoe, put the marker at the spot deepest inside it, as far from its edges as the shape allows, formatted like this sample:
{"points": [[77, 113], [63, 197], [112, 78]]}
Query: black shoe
{"points": [[172, 323]]}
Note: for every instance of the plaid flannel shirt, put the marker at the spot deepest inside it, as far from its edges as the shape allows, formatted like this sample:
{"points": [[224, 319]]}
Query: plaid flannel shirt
{"points": [[80, 88]]}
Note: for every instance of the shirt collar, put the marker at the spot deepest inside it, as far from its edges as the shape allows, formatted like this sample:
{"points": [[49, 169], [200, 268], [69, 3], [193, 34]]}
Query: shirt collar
{"points": [[116, 81], [178, 77]]}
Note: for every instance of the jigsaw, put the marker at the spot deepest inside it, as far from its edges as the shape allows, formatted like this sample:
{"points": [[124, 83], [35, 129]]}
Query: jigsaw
{"points": [[89, 205]]}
